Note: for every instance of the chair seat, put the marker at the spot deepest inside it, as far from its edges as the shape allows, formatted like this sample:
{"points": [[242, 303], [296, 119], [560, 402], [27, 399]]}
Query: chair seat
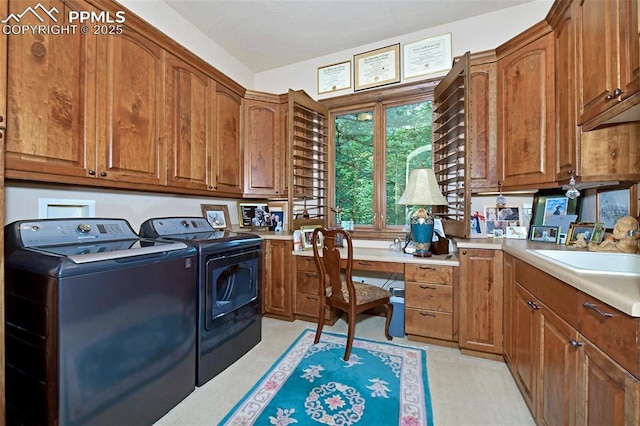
{"points": [[365, 293]]}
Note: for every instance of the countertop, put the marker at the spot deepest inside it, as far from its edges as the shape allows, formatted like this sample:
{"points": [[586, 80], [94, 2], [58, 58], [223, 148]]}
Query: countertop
{"points": [[620, 292]]}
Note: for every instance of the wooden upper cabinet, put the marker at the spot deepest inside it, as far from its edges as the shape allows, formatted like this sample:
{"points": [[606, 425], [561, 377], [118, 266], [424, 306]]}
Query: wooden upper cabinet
{"points": [[264, 145], [526, 104], [608, 58], [189, 118], [482, 122], [566, 125], [49, 92], [227, 150], [129, 109]]}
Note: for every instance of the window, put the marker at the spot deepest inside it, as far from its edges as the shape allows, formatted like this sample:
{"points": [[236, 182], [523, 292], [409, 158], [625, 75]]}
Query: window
{"points": [[376, 145]]}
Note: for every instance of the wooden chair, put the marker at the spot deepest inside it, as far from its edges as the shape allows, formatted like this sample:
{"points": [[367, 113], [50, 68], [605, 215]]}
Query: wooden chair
{"points": [[340, 291]]}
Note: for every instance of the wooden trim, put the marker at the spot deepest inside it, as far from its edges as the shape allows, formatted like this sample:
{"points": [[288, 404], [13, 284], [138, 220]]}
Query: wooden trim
{"points": [[531, 34]]}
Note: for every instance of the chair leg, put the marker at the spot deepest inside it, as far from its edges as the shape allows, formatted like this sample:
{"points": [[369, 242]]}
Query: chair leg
{"points": [[351, 332], [320, 320], [389, 309]]}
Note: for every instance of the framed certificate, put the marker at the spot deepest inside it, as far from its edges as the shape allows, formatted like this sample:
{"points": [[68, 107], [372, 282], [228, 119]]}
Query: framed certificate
{"points": [[427, 56], [334, 77], [377, 67]]}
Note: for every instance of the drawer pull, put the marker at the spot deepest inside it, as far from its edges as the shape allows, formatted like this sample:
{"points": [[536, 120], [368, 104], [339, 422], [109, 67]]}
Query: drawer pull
{"points": [[533, 305], [312, 274], [312, 298], [360, 262], [427, 314], [428, 268], [593, 307], [426, 287], [575, 343]]}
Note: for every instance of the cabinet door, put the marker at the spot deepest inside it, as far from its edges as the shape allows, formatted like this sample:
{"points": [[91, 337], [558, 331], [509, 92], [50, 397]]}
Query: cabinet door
{"points": [[526, 359], [263, 149], [50, 97], [227, 151], [189, 117], [130, 109], [526, 119], [567, 131], [607, 394], [481, 300], [608, 48], [508, 274], [278, 272], [559, 349]]}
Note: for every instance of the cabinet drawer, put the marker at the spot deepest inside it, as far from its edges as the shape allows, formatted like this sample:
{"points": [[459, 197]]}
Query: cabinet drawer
{"points": [[367, 265], [306, 263], [614, 332], [435, 274], [438, 325], [307, 305], [307, 282], [434, 297]]}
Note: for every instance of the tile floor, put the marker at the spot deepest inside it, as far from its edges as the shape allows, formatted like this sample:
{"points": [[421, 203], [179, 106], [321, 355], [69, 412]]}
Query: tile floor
{"points": [[465, 390]]}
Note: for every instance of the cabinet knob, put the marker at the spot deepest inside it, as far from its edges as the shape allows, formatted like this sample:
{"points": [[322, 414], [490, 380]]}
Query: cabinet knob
{"points": [[575, 343], [464, 252], [103, 174], [616, 94], [92, 172]]}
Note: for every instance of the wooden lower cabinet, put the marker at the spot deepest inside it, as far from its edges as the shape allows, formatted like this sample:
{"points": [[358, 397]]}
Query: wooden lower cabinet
{"points": [[481, 303], [564, 377], [429, 302], [307, 295], [277, 295]]}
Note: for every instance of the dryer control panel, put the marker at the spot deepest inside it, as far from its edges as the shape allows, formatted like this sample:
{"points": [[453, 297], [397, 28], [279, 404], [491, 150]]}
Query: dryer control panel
{"points": [[178, 225], [46, 232]]}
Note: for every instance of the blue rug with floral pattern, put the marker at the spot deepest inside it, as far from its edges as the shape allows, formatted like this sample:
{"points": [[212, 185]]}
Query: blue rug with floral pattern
{"points": [[381, 384]]}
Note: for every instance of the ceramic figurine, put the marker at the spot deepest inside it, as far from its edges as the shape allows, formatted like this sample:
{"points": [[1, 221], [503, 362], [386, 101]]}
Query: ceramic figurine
{"points": [[625, 237], [580, 241]]}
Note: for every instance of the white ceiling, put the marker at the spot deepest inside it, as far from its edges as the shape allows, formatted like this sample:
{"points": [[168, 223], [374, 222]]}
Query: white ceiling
{"points": [[268, 34]]}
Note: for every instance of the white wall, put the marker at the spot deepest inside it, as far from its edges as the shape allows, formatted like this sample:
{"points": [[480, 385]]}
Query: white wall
{"points": [[475, 34]]}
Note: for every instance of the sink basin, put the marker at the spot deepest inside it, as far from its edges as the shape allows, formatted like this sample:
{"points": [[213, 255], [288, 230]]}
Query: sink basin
{"points": [[590, 262]]}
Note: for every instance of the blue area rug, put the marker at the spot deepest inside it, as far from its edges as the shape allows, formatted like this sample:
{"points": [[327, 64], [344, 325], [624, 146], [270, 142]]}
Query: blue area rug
{"points": [[381, 384]]}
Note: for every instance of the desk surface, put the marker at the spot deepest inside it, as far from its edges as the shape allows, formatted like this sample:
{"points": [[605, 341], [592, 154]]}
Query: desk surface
{"points": [[386, 255]]}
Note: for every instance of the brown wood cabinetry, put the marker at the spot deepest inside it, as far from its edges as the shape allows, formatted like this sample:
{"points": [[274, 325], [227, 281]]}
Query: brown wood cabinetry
{"points": [[526, 103], [608, 59], [430, 292], [481, 293], [308, 292], [103, 109], [189, 117], [264, 153], [227, 150], [482, 121], [277, 294], [573, 363]]}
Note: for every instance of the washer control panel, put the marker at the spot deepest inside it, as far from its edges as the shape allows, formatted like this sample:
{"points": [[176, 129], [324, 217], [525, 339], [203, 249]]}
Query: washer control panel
{"points": [[42, 233]]}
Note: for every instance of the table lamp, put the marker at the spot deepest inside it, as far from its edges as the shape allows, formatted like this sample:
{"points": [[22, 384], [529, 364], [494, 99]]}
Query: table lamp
{"points": [[422, 190]]}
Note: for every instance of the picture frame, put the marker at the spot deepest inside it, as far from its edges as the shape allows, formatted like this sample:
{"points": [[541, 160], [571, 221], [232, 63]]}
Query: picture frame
{"points": [[307, 236], [334, 77], [614, 203], [585, 228], [377, 67], [545, 234], [501, 217], [598, 233], [516, 232], [279, 220], [217, 215], [478, 226], [428, 56], [254, 215], [540, 202], [554, 207], [497, 233]]}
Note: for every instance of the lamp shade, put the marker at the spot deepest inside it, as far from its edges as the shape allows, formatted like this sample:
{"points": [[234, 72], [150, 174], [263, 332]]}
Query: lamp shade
{"points": [[422, 189]]}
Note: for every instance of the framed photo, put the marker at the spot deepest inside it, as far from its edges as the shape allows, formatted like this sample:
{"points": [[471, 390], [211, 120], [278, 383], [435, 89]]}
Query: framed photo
{"points": [[478, 226], [498, 233], [612, 204], [377, 67], [555, 207], [254, 215], [516, 232], [334, 77], [307, 236], [427, 56], [545, 234], [540, 206], [598, 233], [587, 229], [216, 215], [278, 211], [501, 218]]}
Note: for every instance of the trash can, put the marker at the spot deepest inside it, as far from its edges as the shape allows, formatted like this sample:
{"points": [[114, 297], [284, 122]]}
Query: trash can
{"points": [[396, 328]]}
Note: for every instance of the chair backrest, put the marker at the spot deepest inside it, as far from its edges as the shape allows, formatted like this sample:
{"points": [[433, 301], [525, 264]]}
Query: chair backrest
{"points": [[328, 263]]}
